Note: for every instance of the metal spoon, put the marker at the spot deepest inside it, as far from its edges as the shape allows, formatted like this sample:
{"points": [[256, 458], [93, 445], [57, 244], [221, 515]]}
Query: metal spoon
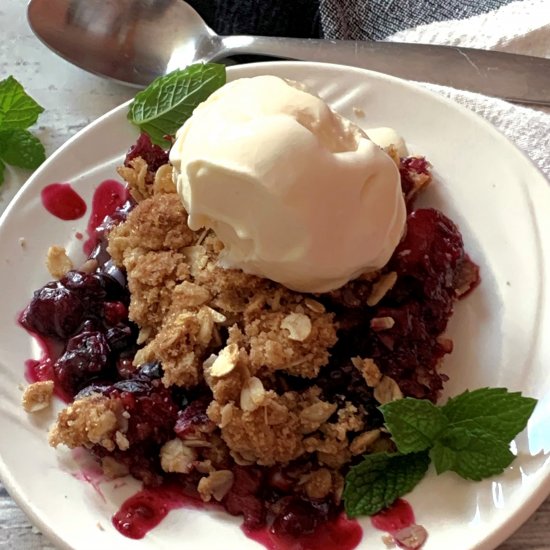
{"points": [[135, 41]]}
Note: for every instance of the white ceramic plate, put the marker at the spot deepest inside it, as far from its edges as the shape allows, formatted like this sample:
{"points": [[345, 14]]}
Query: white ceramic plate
{"points": [[500, 202]]}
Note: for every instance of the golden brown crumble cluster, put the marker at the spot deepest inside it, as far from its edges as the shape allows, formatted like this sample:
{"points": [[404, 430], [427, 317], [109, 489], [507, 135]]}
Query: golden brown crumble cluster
{"points": [[181, 300], [37, 396], [234, 332], [95, 420]]}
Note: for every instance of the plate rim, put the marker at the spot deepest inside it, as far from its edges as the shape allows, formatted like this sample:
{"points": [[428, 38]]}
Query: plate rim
{"points": [[535, 498]]}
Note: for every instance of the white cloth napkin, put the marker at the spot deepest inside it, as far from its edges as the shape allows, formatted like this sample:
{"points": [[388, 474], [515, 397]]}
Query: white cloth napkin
{"points": [[520, 27]]}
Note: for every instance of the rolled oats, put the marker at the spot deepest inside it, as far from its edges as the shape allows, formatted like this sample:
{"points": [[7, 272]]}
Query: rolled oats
{"points": [[252, 394], [381, 287], [226, 361], [298, 326], [368, 368], [318, 413], [314, 305], [217, 484], [381, 323], [412, 537], [387, 390], [122, 441], [363, 441]]}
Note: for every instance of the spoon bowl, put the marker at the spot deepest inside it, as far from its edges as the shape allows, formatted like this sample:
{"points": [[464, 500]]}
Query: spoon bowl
{"points": [[130, 41], [136, 41]]}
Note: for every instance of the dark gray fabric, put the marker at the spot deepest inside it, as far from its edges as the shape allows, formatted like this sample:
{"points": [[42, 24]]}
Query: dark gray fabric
{"points": [[377, 19], [344, 19], [296, 18]]}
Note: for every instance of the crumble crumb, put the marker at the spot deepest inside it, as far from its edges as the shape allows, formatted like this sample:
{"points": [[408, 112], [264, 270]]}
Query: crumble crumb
{"points": [[362, 442], [368, 368], [216, 484], [88, 421], [228, 387], [176, 457], [318, 484], [379, 324], [37, 397], [419, 181], [225, 362], [387, 390], [467, 278], [22, 242], [142, 184], [163, 182], [331, 442], [298, 326], [122, 441], [57, 261], [135, 176]]}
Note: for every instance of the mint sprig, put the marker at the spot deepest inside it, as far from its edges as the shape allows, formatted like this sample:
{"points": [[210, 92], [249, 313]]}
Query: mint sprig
{"points": [[471, 453], [170, 100], [470, 435], [414, 423], [18, 111], [494, 410], [17, 108], [20, 148], [374, 484]]}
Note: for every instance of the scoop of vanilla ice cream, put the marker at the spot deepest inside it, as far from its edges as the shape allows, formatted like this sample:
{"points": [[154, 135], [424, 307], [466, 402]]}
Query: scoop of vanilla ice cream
{"points": [[295, 192]]}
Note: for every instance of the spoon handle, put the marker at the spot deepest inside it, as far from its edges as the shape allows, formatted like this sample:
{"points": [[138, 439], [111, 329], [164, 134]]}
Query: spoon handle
{"points": [[516, 78]]}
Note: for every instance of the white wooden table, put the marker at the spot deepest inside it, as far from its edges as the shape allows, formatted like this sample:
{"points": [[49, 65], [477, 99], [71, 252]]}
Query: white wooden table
{"points": [[72, 99]]}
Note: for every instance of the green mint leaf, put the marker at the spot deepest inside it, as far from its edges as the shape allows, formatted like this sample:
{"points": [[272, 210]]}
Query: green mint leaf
{"points": [[472, 454], [380, 479], [495, 411], [169, 101], [17, 108], [414, 424], [2, 169], [20, 148]]}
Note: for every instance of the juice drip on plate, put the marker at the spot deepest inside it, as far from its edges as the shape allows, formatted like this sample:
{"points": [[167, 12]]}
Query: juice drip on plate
{"points": [[108, 196], [147, 508], [62, 201], [398, 520]]}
